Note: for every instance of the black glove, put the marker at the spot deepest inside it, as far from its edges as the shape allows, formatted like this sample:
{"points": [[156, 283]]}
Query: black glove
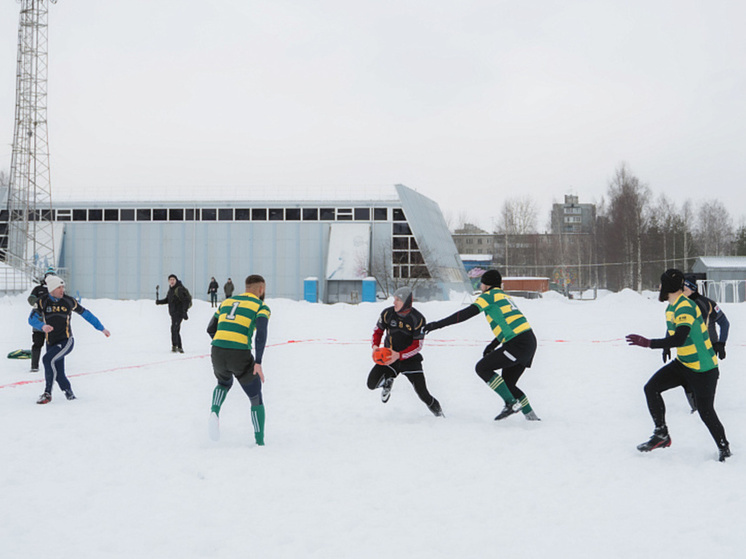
{"points": [[666, 354], [719, 348], [490, 347], [186, 316]]}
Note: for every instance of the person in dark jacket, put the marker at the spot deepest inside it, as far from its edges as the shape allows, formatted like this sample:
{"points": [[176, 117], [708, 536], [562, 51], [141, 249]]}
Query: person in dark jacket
{"points": [[37, 336], [212, 291], [54, 311], [178, 300], [228, 288]]}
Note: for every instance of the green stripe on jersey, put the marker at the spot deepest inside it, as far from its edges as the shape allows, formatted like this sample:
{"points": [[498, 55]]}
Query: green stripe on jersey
{"points": [[696, 353], [237, 321], [504, 318]]}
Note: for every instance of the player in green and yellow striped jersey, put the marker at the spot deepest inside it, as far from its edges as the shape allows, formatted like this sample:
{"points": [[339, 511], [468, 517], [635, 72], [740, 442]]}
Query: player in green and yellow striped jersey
{"points": [[513, 335], [695, 367], [232, 329]]}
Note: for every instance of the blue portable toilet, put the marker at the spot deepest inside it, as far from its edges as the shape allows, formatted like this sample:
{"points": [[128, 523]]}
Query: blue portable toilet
{"points": [[369, 290], [311, 290]]}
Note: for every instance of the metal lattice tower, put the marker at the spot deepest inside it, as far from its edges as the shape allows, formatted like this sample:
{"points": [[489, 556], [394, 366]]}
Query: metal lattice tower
{"points": [[30, 228]]}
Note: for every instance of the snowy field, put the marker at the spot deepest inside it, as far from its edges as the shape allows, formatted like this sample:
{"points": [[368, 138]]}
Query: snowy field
{"points": [[127, 470]]}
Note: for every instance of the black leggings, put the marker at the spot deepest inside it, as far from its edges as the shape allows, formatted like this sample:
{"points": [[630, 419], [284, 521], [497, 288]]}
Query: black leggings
{"points": [[702, 385], [513, 358], [379, 373]]}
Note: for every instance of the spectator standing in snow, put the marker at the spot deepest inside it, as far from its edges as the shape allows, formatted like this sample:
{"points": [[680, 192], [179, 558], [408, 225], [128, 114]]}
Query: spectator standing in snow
{"points": [[178, 300], [403, 326], [695, 367], [228, 288], [53, 312], [212, 290], [232, 328], [512, 350]]}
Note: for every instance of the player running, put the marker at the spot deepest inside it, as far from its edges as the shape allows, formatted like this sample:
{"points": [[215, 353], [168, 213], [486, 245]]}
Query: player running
{"points": [[512, 350], [403, 326]]}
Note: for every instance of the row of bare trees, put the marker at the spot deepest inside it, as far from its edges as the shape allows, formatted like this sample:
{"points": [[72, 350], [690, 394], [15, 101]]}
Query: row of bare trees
{"points": [[634, 237]]}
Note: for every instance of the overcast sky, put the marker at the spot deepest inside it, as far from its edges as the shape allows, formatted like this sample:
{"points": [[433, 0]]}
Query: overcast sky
{"points": [[468, 102]]}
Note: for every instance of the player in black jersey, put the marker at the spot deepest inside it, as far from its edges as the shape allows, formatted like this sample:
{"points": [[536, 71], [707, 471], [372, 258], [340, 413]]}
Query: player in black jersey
{"points": [[54, 310], [715, 320], [37, 336], [403, 326]]}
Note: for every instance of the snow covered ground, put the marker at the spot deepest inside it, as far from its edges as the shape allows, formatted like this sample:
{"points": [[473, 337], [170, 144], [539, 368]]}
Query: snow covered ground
{"points": [[127, 470]]}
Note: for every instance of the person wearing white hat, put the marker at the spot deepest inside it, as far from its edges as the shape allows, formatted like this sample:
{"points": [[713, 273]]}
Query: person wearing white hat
{"points": [[52, 316]]}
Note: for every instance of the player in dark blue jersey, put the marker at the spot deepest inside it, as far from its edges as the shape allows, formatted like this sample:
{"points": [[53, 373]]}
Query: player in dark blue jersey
{"points": [[52, 316]]}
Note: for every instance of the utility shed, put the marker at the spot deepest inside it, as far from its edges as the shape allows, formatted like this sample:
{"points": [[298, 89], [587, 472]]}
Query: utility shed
{"points": [[724, 277]]}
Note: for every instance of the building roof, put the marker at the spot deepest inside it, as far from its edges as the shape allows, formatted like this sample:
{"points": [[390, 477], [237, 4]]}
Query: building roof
{"points": [[723, 262]]}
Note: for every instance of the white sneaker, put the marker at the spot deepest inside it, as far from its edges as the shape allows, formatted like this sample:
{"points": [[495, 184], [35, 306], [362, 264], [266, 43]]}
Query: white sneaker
{"points": [[386, 390], [213, 426]]}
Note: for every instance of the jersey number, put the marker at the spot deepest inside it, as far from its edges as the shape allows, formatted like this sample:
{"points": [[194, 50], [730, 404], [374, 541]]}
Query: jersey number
{"points": [[232, 315]]}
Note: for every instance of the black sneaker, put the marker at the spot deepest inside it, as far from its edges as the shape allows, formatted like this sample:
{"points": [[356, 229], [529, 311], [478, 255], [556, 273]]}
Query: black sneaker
{"points": [[386, 390], [69, 395], [34, 369], [724, 453], [180, 350], [174, 349], [44, 398], [509, 410], [660, 439], [435, 408]]}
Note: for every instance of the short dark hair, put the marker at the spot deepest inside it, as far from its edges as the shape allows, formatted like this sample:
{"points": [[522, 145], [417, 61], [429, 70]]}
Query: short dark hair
{"points": [[254, 279]]}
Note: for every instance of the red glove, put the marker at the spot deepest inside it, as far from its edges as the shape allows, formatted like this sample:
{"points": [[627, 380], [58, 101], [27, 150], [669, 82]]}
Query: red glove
{"points": [[634, 339]]}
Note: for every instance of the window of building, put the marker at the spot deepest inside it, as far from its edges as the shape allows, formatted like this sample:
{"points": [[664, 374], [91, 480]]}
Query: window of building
{"points": [[80, 215], [401, 257], [380, 214], [344, 214], [402, 229], [400, 243], [225, 214], [292, 214], [243, 214], [111, 215], [259, 214], [62, 215], [276, 214], [160, 214], [95, 215], [362, 214], [143, 214], [326, 214], [190, 214], [209, 214], [127, 214], [310, 214], [176, 214], [399, 214]]}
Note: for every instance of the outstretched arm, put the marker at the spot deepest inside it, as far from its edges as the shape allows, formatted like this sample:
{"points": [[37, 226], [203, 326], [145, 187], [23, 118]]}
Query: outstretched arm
{"points": [[455, 318]]}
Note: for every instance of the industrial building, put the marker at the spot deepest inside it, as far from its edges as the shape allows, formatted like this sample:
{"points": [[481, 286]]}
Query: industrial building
{"points": [[122, 250]]}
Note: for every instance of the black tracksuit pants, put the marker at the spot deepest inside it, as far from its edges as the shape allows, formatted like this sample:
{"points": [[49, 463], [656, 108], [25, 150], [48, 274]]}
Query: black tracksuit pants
{"points": [[702, 385]]}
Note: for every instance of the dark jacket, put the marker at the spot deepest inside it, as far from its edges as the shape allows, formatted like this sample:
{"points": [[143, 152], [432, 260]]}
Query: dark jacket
{"points": [[177, 300], [213, 287], [228, 288]]}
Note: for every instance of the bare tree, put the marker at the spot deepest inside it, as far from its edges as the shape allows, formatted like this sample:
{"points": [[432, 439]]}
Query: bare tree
{"points": [[518, 216], [628, 213], [714, 229]]}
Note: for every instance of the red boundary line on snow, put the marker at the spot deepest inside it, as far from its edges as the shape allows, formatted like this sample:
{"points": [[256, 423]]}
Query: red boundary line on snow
{"points": [[309, 340]]}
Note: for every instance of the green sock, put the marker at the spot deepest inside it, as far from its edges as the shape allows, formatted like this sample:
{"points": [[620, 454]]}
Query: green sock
{"points": [[497, 384], [525, 406], [218, 397], [257, 418]]}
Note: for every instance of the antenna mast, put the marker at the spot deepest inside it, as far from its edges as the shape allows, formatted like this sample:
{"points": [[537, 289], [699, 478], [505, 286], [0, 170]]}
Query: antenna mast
{"points": [[30, 227]]}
